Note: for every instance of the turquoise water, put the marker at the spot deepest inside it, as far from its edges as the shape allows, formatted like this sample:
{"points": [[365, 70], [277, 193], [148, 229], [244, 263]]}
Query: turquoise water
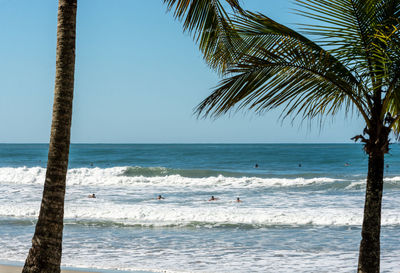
{"points": [[301, 211]]}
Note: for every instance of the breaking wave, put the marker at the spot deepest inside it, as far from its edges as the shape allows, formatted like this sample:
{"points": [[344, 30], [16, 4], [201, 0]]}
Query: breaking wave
{"points": [[133, 215], [159, 176]]}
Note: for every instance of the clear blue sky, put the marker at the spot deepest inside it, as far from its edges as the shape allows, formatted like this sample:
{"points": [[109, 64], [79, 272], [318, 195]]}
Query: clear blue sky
{"points": [[138, 78]]}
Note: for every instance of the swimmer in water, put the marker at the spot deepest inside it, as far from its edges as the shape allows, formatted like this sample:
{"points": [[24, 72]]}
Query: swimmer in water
{"points": [[346, 164], [238, 200], [256, 166], [213, 198], [160, 197], [92, 195]]}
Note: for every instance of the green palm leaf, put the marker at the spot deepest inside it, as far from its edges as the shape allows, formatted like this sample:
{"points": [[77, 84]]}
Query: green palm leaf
{"points": [[352, 30], [210, 25], [282, 67], [354, 62]]}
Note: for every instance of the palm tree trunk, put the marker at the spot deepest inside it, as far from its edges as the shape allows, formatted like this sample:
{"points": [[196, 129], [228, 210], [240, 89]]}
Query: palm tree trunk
{"points": [[369, 257], [45, 253]]}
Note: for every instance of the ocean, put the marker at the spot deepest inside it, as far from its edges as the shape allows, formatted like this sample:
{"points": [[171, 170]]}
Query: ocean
{"points": [[301, 208]]}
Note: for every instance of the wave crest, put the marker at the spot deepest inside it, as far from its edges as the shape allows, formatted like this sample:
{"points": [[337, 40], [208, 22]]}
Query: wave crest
{"points": [[159, 176], [210, 217]]}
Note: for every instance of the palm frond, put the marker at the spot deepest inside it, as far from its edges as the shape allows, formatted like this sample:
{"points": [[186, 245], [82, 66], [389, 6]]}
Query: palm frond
{"points": [[390, 72], [392, 102], [210, 25], [351, 30], [281, 67]]}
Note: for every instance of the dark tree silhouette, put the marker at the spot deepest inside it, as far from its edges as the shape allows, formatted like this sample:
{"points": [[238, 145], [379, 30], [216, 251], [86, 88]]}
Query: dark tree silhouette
{"points": [[45, 253]]}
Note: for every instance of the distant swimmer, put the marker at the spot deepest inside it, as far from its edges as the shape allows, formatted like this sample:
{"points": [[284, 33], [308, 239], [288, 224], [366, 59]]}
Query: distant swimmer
{"points": [[238, 200], [256, 166], [346, 164], [160, 197], [92, 195], [299, 165], [213, 198]]}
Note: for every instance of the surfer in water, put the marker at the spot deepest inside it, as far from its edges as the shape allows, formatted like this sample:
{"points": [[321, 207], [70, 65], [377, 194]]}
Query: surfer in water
{"points": [[213, 198], [160, 197], [92, 195]]}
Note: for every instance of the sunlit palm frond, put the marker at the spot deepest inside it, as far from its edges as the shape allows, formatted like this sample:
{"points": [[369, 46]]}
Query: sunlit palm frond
{"points": [[389, 48], [392, 101], [386, 42], [262, 35], [350, 29], [210, 25], [281, 67]]}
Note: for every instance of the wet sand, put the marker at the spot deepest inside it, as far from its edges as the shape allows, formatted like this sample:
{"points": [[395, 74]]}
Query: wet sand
{"points": [[18, 269]]}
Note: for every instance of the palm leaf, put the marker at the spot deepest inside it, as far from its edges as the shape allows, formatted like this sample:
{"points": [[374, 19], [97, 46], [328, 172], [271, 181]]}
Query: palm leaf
{"points": [[280, 67], [210, 25], [351, 29]]}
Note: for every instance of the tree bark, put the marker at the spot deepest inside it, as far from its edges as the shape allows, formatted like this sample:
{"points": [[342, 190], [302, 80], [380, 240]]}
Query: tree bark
{"points": [[45, 253], [369, 256]]}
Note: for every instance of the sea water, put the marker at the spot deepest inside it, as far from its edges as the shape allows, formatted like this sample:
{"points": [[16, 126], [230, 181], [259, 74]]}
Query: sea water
{"points": [[301, 212]]}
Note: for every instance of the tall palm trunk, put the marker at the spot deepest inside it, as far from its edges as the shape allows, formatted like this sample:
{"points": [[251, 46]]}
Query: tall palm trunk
{"points": [[45, 253], [371, 228], [377, 146]]}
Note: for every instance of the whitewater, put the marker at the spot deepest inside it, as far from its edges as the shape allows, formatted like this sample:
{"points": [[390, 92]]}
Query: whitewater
{"points": [[301, 211]]}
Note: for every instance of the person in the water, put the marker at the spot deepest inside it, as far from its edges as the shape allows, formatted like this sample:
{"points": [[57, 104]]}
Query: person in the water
{"points": [[238, 200], [213, 198], [92, 195], [160, 197]]}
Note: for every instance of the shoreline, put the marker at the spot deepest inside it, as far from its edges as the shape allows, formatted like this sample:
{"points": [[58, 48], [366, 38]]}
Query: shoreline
{"points": [[18, 269], [11, 268]]}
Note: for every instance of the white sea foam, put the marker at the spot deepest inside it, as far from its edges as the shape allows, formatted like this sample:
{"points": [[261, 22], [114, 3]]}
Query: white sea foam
{"points": [[115, 176], [159, 215], [126, 200], [392, 179]]}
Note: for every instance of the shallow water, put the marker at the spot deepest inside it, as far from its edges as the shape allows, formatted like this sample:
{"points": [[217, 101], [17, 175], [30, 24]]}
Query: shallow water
{"points": [[301, 211]]}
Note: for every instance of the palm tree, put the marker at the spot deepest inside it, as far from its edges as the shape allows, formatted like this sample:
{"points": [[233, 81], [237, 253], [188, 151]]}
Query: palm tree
{"points": [[353, 65], [204, 16], [45, 253]]}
